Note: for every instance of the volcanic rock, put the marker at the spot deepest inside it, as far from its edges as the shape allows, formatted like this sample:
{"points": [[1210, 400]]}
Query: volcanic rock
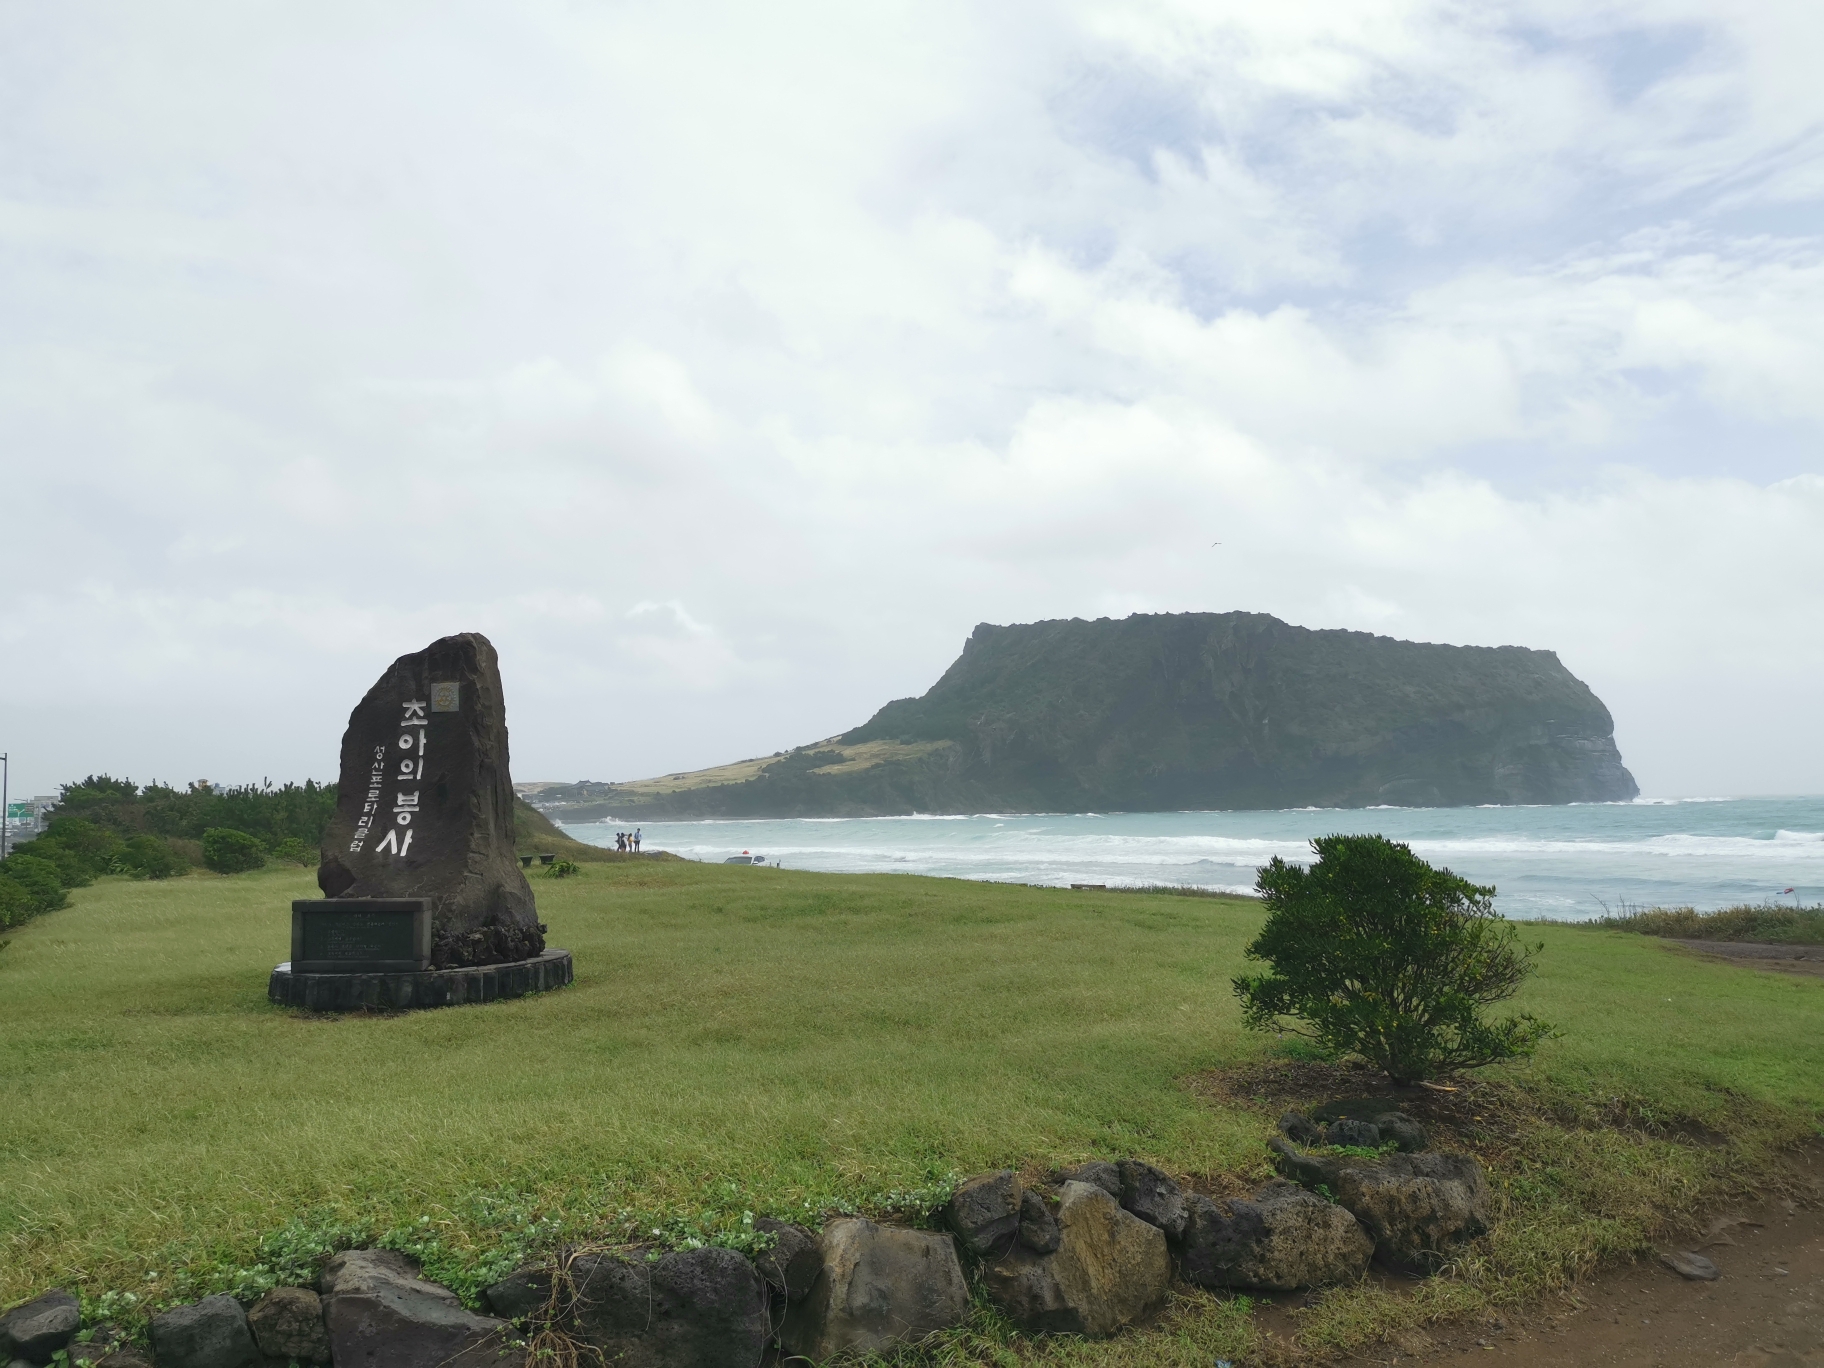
{"points": [[1038, 1227], [520, 1294], [985, 1212], [1098, 1173], [1414, 1206], [381, 1314], [879, 1286], [1110, 1268], [1152, 1196], [287, 1323], [39, 1328], [425, 805], [211, 1333], [793, 1263], [692, 1308], [1280, 1239]]}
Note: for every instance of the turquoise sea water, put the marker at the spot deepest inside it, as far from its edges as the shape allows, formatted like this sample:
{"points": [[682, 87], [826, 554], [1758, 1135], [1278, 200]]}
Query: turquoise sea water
{"points": [[1560, 862]]}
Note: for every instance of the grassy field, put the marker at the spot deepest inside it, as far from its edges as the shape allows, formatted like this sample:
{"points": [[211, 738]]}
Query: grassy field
{"points": [[755, 1040]]}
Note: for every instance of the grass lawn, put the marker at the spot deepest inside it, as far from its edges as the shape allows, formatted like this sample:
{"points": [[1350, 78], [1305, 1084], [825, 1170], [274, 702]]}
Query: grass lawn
{"points": [[754, 1040]]}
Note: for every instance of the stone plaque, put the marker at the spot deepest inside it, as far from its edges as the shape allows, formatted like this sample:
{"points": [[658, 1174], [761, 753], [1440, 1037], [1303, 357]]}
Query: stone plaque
{"points": [[360, 935], [424, 808]]}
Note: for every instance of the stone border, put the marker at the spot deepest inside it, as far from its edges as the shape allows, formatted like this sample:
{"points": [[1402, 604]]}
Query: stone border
{"points": [[1091, 1250], [429, 988]]}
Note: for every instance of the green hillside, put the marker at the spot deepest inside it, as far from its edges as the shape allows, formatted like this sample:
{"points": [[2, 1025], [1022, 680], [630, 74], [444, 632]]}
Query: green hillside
{"points": [[1160, 712]]}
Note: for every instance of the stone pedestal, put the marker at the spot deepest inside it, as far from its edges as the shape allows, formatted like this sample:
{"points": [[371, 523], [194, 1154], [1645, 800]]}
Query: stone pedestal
{"points": [[396, 990]]}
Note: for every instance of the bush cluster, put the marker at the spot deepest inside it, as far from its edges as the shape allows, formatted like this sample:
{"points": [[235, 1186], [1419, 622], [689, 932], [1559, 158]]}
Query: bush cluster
{"points": [[37, 875], [274, 815], [102, 825]]}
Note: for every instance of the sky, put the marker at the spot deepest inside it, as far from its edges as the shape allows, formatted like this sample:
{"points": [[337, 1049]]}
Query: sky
{"points": [[726, 364]]}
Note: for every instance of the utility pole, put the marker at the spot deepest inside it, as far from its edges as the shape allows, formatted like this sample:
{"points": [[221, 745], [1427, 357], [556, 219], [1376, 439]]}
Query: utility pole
{"points": [[6, 774]]}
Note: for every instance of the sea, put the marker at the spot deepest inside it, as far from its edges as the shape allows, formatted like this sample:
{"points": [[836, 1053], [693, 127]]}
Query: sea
{"points": [[1566, 863]]}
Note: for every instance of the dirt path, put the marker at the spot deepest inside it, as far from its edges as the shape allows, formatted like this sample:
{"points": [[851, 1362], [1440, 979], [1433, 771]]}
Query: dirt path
{"points": [[1784, 959], [1765, 1311]]}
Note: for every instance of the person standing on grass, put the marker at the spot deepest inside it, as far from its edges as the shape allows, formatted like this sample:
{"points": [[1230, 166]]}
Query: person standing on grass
{"points": [[636, 840]]}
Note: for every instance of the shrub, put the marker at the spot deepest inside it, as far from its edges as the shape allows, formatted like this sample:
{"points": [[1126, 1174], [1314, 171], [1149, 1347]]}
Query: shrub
{"points": [[38, 877], [147, 857], [562, 869], [227, 851], [16, 902], [1375, 953], [294, 851], [92, 847], [73, 871]]}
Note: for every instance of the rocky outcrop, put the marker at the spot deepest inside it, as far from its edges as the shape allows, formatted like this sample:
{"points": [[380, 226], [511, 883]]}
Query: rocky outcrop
{"points": [[693, 1308], [1163, 712], [985, 1213], [879, 1286], [1415, 1207], [1109, 1268], [381, 1314], [211, 1333], [287, 1323], [1280, 1239]]}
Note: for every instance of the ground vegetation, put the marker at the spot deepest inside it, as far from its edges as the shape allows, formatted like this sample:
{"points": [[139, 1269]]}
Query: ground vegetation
{"points": [[745, 1041], [1763, 923]]}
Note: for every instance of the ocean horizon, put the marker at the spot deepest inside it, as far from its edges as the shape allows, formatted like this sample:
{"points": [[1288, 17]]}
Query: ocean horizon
{"points": [[1567, 862]]}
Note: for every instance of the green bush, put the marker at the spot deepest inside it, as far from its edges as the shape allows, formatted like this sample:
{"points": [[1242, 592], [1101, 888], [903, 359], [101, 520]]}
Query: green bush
{"points": [[1375, 953], [84, 846], [147, 857], [295, 851], [16, 902], [38, 877], [227, 851]]}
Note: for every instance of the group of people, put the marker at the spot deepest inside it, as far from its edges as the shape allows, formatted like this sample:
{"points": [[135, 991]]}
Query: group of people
{"points": [[627, 841]]}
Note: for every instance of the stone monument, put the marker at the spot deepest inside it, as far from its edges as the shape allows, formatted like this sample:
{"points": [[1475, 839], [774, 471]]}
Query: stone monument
{"points": [[424, 903]]}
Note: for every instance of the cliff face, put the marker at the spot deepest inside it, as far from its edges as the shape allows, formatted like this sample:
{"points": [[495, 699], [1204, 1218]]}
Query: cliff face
{"points": [[1191, 710]]}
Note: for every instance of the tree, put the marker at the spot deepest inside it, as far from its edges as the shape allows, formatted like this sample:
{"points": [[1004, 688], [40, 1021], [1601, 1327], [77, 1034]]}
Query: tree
{"points": [[1372, 952]]}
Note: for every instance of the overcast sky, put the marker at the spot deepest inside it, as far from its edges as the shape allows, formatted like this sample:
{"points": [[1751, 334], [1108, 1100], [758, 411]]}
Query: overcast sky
{"points": [[727, 364]]}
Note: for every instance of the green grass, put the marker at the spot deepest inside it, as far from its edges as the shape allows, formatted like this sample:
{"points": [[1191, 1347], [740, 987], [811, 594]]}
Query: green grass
{"points": [[1766, 923], [774, 1041]]}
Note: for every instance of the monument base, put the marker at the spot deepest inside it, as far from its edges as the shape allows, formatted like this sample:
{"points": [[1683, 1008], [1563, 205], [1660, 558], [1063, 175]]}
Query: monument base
{"points": [[394, 991]]}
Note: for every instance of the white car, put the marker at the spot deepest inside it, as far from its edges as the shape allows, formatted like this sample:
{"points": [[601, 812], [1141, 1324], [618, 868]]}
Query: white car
{"points": [[746, 859]]}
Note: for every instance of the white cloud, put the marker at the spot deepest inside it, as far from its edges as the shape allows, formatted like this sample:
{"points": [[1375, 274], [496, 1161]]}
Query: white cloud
{"points": [[727, 365]]}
